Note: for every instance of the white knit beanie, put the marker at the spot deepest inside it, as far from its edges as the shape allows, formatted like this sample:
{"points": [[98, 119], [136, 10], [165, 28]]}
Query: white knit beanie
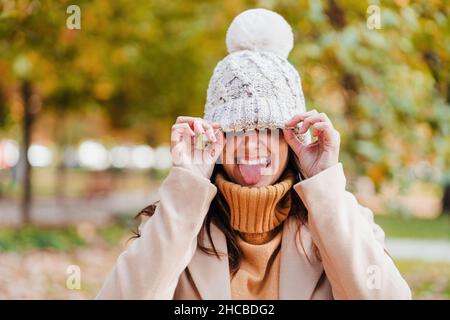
{"points": [[255, 87]]}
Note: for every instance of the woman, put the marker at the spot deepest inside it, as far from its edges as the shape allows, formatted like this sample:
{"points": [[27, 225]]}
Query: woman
{"points": [[258, 211]]}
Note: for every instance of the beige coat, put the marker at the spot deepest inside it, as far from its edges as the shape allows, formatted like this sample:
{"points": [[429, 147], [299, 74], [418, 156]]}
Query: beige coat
{"points": [[165, 263]]}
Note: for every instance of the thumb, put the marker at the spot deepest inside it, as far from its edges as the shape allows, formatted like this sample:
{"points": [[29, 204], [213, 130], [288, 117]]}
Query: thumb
{"points": [[218, 146], [292, 140]]}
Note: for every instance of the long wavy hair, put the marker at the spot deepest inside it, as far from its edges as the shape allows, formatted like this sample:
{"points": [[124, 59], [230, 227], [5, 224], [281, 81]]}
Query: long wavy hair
{"points": [[219, 214]]}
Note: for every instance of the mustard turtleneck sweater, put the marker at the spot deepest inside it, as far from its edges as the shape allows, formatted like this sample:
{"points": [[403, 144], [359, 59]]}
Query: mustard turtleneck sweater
{"points": [[257, 214]]}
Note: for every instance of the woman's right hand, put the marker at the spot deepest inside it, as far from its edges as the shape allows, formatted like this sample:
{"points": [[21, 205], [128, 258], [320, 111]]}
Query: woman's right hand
{"points": [[190, 153]]}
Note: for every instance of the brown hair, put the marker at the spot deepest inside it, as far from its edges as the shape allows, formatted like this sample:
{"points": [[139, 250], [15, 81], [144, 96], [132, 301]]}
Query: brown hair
{"points": [[219, 214]]}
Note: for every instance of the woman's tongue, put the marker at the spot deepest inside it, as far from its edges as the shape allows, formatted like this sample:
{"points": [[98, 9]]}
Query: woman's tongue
{"points": [[251, 173]]}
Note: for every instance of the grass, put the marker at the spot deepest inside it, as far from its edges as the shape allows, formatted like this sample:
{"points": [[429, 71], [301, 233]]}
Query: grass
{"points": [[64, 238], [410, 227], [426, 280], [123, 228], [37, 238]]}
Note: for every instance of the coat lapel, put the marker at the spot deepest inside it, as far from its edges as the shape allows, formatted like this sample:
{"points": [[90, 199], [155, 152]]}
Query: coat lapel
{"points": [[300, 270], [298, 275], [210, 274]]}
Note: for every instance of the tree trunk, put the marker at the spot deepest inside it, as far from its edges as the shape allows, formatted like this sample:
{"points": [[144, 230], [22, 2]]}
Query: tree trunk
{"points": [[446, 199], [61, 172], [442, 85], [27, 124]]}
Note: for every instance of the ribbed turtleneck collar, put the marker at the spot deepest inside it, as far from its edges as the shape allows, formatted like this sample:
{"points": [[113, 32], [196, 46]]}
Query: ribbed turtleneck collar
{"points": [[256, 212]]}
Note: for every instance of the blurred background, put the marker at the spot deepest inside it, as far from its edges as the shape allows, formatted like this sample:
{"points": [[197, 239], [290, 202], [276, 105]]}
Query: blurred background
{"points": [[85, 116]]}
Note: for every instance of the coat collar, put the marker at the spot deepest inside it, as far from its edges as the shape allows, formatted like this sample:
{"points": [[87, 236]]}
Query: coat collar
{"points": [[300, 270]]}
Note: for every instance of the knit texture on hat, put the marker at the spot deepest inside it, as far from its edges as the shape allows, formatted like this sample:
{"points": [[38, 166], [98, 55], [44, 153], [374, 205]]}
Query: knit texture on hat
{"points": [[255, 86]]}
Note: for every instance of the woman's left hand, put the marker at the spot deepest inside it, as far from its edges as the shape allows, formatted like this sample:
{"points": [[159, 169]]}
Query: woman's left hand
{"points": [[319, 155]]}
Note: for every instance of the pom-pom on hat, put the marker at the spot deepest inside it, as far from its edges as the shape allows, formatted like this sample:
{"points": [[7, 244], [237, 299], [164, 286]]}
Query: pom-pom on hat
{"points": [[260, 30], [255, 86]]}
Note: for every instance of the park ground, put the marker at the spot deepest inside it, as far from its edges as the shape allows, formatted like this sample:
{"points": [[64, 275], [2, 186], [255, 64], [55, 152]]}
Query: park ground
{"points": [[34, 261]]}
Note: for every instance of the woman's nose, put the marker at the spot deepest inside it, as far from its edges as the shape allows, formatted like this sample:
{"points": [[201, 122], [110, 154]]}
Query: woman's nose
{"points": [[251, 144]]}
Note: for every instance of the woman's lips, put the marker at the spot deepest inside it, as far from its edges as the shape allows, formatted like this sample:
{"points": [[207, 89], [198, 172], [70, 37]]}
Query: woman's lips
{"points": [[251, 170]]}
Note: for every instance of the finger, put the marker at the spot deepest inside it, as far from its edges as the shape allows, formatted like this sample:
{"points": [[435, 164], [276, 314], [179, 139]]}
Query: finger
{"points": [[189, 120], [216, 149], [321, 117], [215, 125], [201, 124], [183, 127], [325, 130], [300, 117], [209, 131], [219, 134], [198, 127], [325, 117], [193, 122], [220, 139], [179, 131], [292, 139]]}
